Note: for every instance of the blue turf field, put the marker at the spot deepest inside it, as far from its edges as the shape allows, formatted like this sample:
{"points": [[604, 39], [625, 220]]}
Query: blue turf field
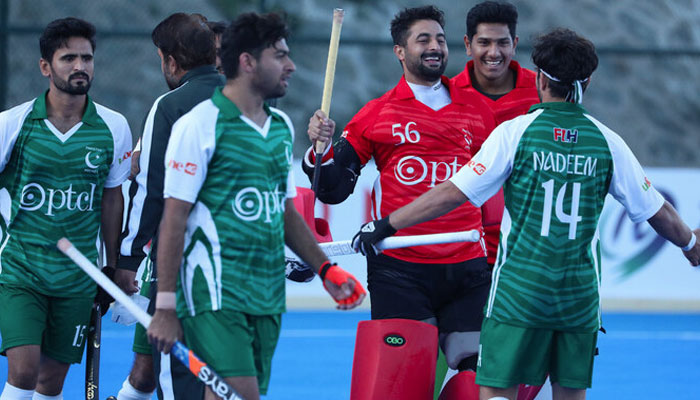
{"points": [[643, 356]]}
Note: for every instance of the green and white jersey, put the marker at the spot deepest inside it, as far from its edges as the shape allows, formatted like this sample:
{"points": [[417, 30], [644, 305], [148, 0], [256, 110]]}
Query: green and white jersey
{"points": [[237, 175], [556, 165], [52, 186]]}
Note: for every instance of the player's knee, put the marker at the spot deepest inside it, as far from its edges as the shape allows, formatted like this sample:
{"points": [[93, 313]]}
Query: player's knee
{"points": [[461, 349], [23, 379], [142, 376]]}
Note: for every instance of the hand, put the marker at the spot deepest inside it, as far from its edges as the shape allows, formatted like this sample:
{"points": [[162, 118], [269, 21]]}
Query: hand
{"points": [[693, 255], [297, 271], [126, 280], [342, 286], [321, 128], [165, 330], [135, 169], [370, 234], [103, 298]]}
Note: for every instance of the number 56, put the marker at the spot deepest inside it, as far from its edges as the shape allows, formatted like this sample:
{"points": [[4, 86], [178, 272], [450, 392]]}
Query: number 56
{"points": [[409, 134]]}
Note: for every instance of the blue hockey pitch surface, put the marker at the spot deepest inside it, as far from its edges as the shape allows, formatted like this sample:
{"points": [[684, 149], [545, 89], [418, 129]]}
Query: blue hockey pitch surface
{"points": [[643, 356]]}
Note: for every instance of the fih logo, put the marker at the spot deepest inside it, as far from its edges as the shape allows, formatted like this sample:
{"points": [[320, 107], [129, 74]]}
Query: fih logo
{"points": [[34, 197], [250, 203], [412, 170], [394, 340]]}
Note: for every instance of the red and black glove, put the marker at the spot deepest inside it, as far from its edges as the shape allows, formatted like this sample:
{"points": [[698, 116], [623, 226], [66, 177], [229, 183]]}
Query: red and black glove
{"points": [[343, 284], [370, 234]]}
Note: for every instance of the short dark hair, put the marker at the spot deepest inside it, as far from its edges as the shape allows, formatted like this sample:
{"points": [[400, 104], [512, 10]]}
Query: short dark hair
{"points": [[403, 21], [187, 38], [218, 27], [250, 33], [566, 56], [498, 12], [57, 33]]}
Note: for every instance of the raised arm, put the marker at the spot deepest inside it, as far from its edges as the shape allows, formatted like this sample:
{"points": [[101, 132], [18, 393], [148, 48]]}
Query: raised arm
{"points": [[341, 164]]}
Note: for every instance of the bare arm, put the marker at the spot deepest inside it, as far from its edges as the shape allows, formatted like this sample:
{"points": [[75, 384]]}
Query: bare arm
{"points": [[112, 214], [165, 327], [434, 203], [667, 223]]}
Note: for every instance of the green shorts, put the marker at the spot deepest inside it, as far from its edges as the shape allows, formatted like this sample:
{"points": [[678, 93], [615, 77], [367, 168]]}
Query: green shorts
{"points": [[57, 324], [234, 343], [509, 355]]}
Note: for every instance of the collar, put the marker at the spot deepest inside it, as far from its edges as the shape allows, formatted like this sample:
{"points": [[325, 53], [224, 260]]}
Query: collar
{"points": [[197, 71], [230, 110], [90, 116], [559, 106], [404, 92]]}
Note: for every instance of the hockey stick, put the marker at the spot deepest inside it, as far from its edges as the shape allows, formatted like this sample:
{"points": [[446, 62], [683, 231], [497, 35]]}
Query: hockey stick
{"points": [[200, 369], [297, 271], [92, 358], [94, 340], [344, 247], [328, 88]]}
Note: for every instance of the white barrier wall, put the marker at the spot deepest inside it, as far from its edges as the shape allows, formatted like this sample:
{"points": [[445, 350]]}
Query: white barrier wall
{"points": [[641, 271]]}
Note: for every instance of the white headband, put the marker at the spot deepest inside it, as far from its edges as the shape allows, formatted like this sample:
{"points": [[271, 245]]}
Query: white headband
{"points": [[575, 96]]}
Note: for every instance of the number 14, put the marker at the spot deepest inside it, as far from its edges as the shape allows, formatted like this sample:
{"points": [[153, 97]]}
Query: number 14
{"points": [[572, 219]]}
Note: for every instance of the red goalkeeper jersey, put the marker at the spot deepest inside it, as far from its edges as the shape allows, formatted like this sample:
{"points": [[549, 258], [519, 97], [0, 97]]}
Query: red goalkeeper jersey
{"points": [[514, 103], [416, 148]]}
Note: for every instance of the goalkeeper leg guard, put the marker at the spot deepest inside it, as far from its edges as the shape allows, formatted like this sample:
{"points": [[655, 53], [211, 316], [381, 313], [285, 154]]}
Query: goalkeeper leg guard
{"points": [[394, 359], [461, 387]]}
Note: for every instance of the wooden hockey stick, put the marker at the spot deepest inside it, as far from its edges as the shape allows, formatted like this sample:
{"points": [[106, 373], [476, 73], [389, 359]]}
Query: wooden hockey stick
{"points": [[319, 147]]}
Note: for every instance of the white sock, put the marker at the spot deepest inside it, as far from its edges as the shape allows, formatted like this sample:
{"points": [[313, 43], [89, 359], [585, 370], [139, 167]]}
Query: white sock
{"points": [[13, 393], [128, 392], [39, 396]]}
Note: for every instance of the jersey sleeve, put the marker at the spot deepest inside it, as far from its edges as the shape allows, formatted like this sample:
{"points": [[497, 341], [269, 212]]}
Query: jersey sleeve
{"points": [[357, 131], [120, 167], [10, 124], [629, 184], [484, 175], [191, 147]]}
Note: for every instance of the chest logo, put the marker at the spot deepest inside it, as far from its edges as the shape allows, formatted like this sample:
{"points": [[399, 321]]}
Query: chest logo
{"points": [[94, 157], [468, 137]]}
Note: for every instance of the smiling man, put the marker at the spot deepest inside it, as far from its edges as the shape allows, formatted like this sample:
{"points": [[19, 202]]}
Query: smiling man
{"points": [[506, 87], [62, 161], [229, 212], [419, 134]]}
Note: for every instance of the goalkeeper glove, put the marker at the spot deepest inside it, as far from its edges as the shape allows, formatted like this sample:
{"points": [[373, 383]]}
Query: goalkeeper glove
{"points": [[370, 234]]}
